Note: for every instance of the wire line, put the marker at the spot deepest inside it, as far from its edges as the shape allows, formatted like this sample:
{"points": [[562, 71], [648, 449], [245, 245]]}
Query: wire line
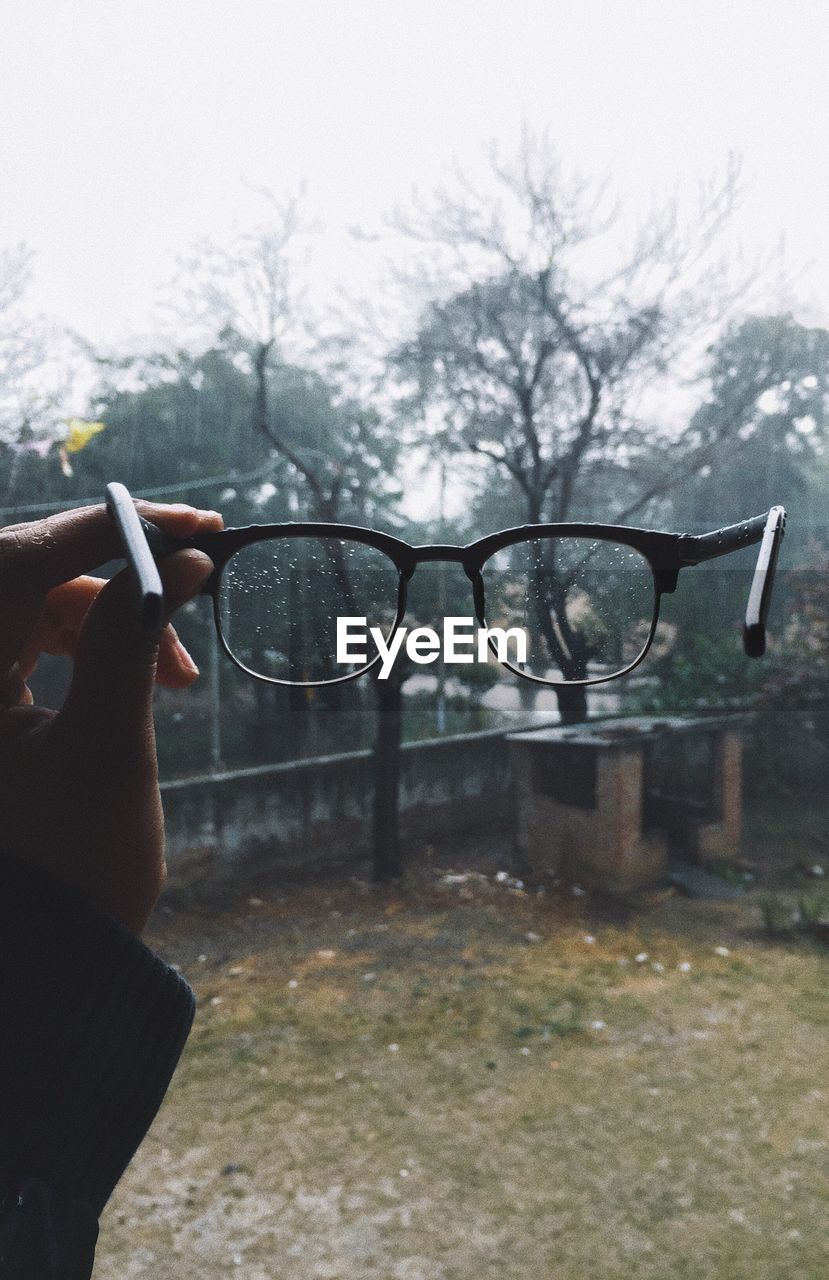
{"points": [[206, 482]]}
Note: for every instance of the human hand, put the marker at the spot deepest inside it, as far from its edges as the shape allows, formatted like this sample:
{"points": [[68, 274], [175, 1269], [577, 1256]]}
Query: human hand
{"points": [[79, 787]]}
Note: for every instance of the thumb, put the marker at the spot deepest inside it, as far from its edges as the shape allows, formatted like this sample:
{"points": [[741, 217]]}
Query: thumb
{"points": [[114, 672]]}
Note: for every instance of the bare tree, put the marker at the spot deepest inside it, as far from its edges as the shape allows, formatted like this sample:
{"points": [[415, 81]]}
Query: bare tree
{"points": [[15, 275], [43, 372], [22, 348], [248, 286], [342, 455], [545, 317]]}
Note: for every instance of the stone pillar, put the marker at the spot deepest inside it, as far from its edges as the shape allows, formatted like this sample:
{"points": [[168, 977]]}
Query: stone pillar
{"points": [[721, 838]]}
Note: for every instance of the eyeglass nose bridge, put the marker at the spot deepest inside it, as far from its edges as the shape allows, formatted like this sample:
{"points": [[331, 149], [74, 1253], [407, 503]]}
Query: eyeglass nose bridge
{"points": [[446, 553], [439, 551]]}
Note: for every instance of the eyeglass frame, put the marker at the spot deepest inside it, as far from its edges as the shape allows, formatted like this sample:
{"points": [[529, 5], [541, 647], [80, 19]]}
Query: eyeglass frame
{"points": [[665, 553]]}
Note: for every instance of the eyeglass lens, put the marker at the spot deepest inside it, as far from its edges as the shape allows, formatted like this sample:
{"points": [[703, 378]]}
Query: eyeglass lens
{"points": [[586, 606], [281, 598]]}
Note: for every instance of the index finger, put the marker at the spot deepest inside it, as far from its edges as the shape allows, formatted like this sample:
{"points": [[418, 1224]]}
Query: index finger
{"points": [[40, 555], [44, 553]]}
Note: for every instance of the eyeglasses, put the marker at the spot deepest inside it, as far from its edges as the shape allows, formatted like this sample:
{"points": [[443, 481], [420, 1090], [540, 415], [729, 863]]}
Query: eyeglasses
{"points": [[293, 603]]}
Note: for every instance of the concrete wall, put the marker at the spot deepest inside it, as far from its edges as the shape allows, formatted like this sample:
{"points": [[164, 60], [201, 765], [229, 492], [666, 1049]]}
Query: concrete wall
{"points": [[311, 814], [315, 813]]}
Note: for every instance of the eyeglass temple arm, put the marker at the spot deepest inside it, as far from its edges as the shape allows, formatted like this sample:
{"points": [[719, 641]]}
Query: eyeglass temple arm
{"points": [[144, 544], [695, 548], [759, 599], [768, 530], [135, 536]]}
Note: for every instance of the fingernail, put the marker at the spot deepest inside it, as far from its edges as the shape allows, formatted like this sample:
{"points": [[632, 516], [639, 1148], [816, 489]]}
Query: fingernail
{"points": [[185, 659], [12, 686]]}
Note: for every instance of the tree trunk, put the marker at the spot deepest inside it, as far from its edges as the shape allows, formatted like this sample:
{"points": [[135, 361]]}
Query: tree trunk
{"points": [[386, 850], [260, 365], [572, 699], [572, 703]]}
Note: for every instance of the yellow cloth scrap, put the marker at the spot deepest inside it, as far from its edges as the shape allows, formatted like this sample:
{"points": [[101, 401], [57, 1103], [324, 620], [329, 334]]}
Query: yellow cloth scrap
{"points": [[79, 433]]}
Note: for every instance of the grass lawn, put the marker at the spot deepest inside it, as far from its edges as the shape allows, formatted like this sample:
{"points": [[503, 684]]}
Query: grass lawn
{"points": [[464, 1080]]}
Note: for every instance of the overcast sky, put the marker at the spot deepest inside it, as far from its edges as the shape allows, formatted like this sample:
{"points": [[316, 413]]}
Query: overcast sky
{"points": [[126, 128]]}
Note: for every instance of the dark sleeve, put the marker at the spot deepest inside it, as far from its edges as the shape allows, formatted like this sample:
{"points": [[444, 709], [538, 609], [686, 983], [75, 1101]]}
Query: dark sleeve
{"points": [[92, 1024]]}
